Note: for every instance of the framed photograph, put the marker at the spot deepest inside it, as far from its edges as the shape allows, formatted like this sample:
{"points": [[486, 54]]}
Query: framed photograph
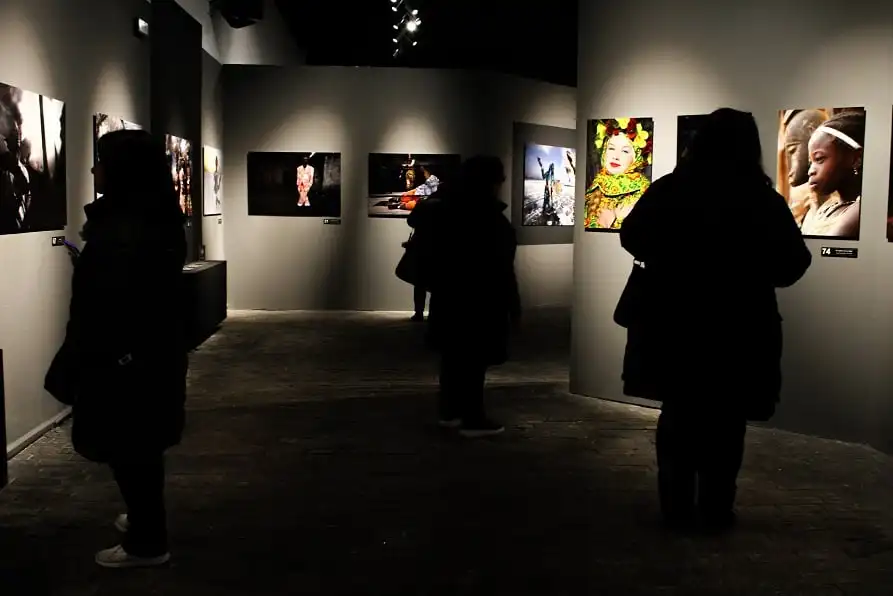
{"points": [[820, 154], [294, 184], [619, 153], [212, 187], [550, 175], [179, 156], [399, 181], [686, 129], [104, 124], [32, 171]]}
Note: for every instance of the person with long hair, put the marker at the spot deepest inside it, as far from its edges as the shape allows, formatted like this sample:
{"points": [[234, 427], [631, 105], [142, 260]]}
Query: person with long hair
{"points": [[704, 329], [123, 364], [474, 294]]}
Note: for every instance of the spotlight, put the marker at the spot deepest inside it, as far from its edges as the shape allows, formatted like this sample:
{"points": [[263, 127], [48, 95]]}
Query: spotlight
{"points": [[415, 12], [415, 43], [411, 26]]}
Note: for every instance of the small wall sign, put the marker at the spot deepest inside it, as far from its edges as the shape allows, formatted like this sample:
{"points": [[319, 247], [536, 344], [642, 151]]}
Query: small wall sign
{"points": [[331, 222], [840, 253]]}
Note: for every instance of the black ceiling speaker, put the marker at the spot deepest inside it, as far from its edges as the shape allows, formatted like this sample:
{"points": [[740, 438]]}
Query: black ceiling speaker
{"points": [[239, 13]]}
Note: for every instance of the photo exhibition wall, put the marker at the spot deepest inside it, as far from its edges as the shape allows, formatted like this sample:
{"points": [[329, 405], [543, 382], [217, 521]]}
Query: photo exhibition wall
{"points": [[827, 147], [324, 165], [399, 181], [212, 187], [33, 181]]}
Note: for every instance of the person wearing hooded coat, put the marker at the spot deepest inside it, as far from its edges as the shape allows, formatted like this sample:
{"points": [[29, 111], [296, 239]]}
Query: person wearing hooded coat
{"points": [[713, 241], [474, 293], [123, 364]]}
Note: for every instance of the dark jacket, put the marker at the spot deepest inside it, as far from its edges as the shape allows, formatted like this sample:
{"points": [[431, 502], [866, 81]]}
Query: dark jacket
{"points": [[474, 293], [123, 364], [702, 317]]}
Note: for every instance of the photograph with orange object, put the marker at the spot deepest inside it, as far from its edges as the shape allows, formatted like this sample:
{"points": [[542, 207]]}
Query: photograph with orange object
{"points": [[399, 181], [820, 154]]}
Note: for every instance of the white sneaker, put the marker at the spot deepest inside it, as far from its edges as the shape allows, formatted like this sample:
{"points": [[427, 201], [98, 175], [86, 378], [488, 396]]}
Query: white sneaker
{"points": [[122, 523], [118, 558]]}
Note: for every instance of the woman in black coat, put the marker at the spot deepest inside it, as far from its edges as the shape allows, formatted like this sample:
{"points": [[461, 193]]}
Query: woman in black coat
{"points": [[704, 329], [124, 361], [474, 293]]}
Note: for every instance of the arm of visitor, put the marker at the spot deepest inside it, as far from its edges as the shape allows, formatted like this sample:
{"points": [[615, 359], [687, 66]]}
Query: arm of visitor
{"points": [[790, 259]]}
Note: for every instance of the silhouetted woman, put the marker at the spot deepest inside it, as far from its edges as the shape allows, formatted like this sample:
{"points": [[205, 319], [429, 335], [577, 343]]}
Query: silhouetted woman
{"points": [[704, 330], [123, 364], [474, 294]]}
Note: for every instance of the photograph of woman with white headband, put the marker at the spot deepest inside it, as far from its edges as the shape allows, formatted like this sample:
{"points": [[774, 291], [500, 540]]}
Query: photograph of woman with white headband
{"points": [[820, 169]]}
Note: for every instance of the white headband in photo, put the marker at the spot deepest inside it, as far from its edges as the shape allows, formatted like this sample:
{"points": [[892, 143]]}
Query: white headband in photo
{"points": [[840, 135]]}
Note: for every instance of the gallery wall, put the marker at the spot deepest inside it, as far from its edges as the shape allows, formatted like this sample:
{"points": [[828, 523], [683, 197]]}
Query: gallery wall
{"points": [[47, 53], [212, 135], [283, 263], [692, 56]]}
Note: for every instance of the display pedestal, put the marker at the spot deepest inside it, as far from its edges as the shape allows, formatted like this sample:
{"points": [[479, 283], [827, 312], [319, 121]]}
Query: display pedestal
{"points": [[204, 300], [4, 471]]}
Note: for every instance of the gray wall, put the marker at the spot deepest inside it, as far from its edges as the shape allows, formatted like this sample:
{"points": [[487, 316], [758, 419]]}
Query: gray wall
{"points": [[692, 56], [299, 263], [212, 135], [55, 47]]}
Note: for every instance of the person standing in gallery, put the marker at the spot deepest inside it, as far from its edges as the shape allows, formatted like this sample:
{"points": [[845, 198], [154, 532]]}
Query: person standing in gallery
{"points": [[704, 314], [474, 294], [422, 220], [123, 363]]}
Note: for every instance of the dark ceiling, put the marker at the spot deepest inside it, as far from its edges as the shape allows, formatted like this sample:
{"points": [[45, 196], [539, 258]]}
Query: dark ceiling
{"points": [[536, 40]]}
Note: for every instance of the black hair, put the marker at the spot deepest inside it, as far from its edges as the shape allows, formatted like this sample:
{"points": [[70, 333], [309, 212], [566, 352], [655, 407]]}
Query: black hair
{"points": [[135, 167], [728, 136], [850, 123], [482, 171]]}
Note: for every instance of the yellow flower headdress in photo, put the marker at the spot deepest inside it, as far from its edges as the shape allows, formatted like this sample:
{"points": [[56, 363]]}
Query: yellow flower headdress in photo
{"points": [[640, 138]]}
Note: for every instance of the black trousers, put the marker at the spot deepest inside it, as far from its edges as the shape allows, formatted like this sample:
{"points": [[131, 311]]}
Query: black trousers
{"points": [[699, 454], [419, 296], [461, 387], [141, 481]]}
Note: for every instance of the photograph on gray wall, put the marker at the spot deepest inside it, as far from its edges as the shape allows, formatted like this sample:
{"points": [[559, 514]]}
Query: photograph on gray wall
{"points": [[32, 162], [820, 153], [179, 156], [686, 129], [104, 124], [212, 187], [399, 181], [294, 184], [619, 153], [550, 175]]}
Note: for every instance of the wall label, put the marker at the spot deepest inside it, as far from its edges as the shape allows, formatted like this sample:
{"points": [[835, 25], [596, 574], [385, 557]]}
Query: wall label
{"points": [[331, 222], [58, 240], [840, 253]]}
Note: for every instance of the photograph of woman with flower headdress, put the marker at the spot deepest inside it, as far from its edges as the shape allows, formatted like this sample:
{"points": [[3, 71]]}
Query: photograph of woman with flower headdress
{"points": [[618, 170], [820, 155]]}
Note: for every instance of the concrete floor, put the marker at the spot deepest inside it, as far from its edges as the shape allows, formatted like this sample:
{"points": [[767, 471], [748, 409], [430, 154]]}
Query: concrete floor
{"points": [[312, 466]]}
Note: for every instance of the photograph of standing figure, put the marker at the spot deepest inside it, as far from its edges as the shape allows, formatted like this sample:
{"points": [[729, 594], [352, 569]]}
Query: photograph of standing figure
{"points": [[399, 181], [32, 162], [550, 175], [294, 184], [212, 183], [820, 153], [179, 154]]}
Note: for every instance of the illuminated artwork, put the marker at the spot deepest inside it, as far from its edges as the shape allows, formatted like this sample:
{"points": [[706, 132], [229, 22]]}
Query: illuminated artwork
{"points": [[32, 162], [618, 169], [294, 184], [104, 124], [399, 181], [179, 155], [212, 183], [686, 129], [550, 175], [820, 169]]}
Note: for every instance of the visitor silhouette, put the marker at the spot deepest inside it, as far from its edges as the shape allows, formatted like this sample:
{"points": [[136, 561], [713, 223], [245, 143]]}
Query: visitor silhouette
{"points": [[712, 242], [123, 363]]}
